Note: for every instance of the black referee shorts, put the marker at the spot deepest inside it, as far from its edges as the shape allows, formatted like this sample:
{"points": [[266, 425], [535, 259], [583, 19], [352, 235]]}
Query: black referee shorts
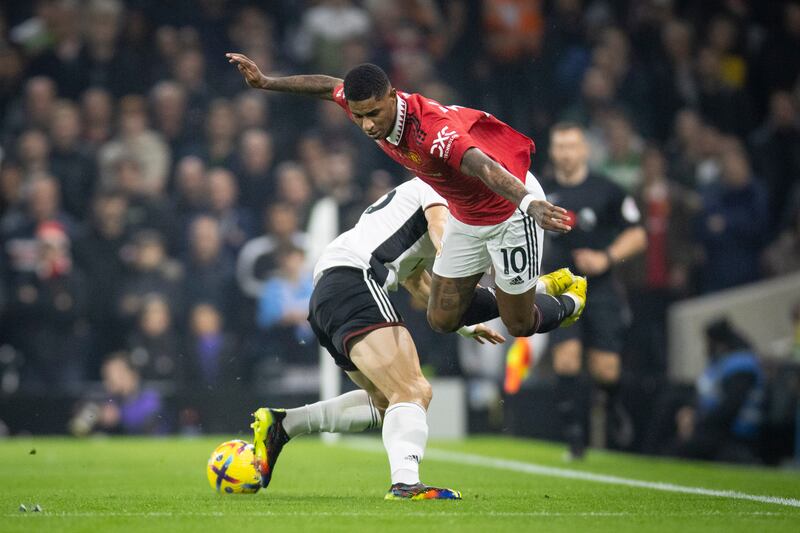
{"points": [[347, 302]]}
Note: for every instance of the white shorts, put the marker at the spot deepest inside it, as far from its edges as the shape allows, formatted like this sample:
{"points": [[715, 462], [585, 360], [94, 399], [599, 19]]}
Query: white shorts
{"points": [[513, 248]]}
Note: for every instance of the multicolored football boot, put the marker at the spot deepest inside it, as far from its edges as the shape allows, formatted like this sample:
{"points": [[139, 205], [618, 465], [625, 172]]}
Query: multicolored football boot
{"points": [[418, 491], [578, 290], [558, 281], [269, 437]]}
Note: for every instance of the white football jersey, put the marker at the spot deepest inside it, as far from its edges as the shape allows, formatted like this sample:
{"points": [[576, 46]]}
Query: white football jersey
{"points": [[392, 234]]}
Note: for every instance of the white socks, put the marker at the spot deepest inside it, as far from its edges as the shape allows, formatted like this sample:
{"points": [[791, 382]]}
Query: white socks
{"points": [[348, 413], [405, 433], [405, 428]]}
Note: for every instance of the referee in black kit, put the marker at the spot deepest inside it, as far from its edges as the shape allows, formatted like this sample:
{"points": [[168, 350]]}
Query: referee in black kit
{"points": [[605, 230]]}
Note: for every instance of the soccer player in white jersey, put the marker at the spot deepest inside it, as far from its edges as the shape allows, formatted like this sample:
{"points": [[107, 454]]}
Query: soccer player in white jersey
{"points": [[394, 242]]}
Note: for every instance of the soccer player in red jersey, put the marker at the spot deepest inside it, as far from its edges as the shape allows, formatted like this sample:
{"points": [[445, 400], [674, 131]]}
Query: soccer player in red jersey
{"points": [[478, 163], [498, 211]]}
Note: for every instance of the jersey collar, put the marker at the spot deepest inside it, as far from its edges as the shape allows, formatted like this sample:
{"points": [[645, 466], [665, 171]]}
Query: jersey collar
{"points": [[399, 122]]}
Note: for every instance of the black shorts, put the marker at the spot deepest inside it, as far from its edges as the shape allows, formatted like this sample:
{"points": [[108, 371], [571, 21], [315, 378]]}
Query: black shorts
{"points": [[347, 302], [603, 323]]}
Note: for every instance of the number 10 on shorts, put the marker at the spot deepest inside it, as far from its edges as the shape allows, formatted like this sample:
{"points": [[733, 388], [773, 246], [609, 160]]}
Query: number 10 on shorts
{"points": [[515, 258]]}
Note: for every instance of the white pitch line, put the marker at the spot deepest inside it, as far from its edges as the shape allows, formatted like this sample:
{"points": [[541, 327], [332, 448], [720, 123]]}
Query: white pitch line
{"points": [[552, 471], [460, 514]]}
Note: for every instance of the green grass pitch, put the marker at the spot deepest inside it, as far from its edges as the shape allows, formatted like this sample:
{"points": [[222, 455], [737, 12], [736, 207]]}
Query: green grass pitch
{"points": [[153, 485]]}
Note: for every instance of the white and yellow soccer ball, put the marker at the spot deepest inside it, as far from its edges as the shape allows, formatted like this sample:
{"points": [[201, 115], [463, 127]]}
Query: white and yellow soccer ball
{"points": [[231, 469]]}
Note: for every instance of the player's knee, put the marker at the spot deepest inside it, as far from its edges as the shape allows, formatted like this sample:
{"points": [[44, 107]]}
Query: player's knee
{"points": [[442, 322], [520, 327], [417, 391]]}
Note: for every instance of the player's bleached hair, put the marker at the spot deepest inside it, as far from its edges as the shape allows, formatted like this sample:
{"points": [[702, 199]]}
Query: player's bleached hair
{"points": [[365, 81]]}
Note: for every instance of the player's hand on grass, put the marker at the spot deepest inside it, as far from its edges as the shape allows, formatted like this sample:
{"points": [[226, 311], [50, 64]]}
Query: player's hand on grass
{"points": [[549, 216], [252, 74], [482, 333]]}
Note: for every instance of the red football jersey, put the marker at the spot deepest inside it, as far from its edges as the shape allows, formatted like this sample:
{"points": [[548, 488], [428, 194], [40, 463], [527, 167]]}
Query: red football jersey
{"points": [[430, 139]]}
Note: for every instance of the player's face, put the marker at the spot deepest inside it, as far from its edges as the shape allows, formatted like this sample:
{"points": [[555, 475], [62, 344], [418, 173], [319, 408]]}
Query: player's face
{"points": [[375, 116], [568, 150]]}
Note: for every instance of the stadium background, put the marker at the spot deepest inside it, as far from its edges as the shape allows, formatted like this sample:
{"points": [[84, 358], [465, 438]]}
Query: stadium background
{"points": [[152, 205]]}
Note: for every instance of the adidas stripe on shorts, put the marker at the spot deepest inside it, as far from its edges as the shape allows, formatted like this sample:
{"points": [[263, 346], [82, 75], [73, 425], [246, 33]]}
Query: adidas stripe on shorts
{"points": [[513, 248], [347, 302]]}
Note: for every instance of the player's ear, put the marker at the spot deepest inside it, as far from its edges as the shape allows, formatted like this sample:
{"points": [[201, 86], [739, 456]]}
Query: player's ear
{"points": [[392, 92]]}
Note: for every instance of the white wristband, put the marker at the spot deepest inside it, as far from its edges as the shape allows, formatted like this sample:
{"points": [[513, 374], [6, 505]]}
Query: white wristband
{"points": [[466, 331], [525, 202]]}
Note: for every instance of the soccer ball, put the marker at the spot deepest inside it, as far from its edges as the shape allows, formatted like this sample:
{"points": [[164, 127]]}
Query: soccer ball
{"points": [[231, 470]]}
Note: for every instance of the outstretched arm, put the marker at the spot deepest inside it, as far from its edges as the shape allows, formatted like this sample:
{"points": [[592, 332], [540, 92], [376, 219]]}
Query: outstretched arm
{"points": [[312, 85], [479, 165]]}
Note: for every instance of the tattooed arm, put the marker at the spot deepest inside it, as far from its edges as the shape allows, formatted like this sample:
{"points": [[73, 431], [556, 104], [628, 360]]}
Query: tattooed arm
{"points": [[477, 164], [311, 85]]}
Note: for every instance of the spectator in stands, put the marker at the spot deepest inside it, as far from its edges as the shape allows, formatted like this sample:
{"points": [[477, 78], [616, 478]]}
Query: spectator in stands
{"points": [[663, 273], [138, 141], [106, 63], [732, 224], [632, 80], [11, 192], [188, 69], [221, 130], [723, 419], [674, 81], [513, 32], [236, 222], [70, 159], [168, 104], [257, 257], [209, 268], [293, 187], [776, 148], [33, 152], [99, 251], [42, 203], [283, 308], [128, 407], [153, 271], [46, 313], [596, 100], [622, 161], [190, 193], [783, 256], [97, 110], [63, 61], [253, 168], [35, 109], [154, 346], [723, 105], [683, 147], [323, 31], [11, 70], [145, 209], [210, 356], [776, 66], [252, 110]]}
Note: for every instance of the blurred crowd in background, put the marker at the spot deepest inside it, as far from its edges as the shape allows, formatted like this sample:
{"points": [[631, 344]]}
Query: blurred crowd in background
{"points": [[151, 205]]}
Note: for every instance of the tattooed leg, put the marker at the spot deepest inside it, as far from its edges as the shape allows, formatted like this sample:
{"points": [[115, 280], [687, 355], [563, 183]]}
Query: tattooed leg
{"points": [[448, 301]]}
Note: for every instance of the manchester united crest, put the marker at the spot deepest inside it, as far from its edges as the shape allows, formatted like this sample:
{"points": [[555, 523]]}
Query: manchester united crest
{"points": [[413, 156]]}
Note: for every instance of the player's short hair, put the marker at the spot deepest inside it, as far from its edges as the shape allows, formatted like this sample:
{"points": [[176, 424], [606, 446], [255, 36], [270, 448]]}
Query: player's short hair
{"points": [[566, 125], [365, 81]]}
